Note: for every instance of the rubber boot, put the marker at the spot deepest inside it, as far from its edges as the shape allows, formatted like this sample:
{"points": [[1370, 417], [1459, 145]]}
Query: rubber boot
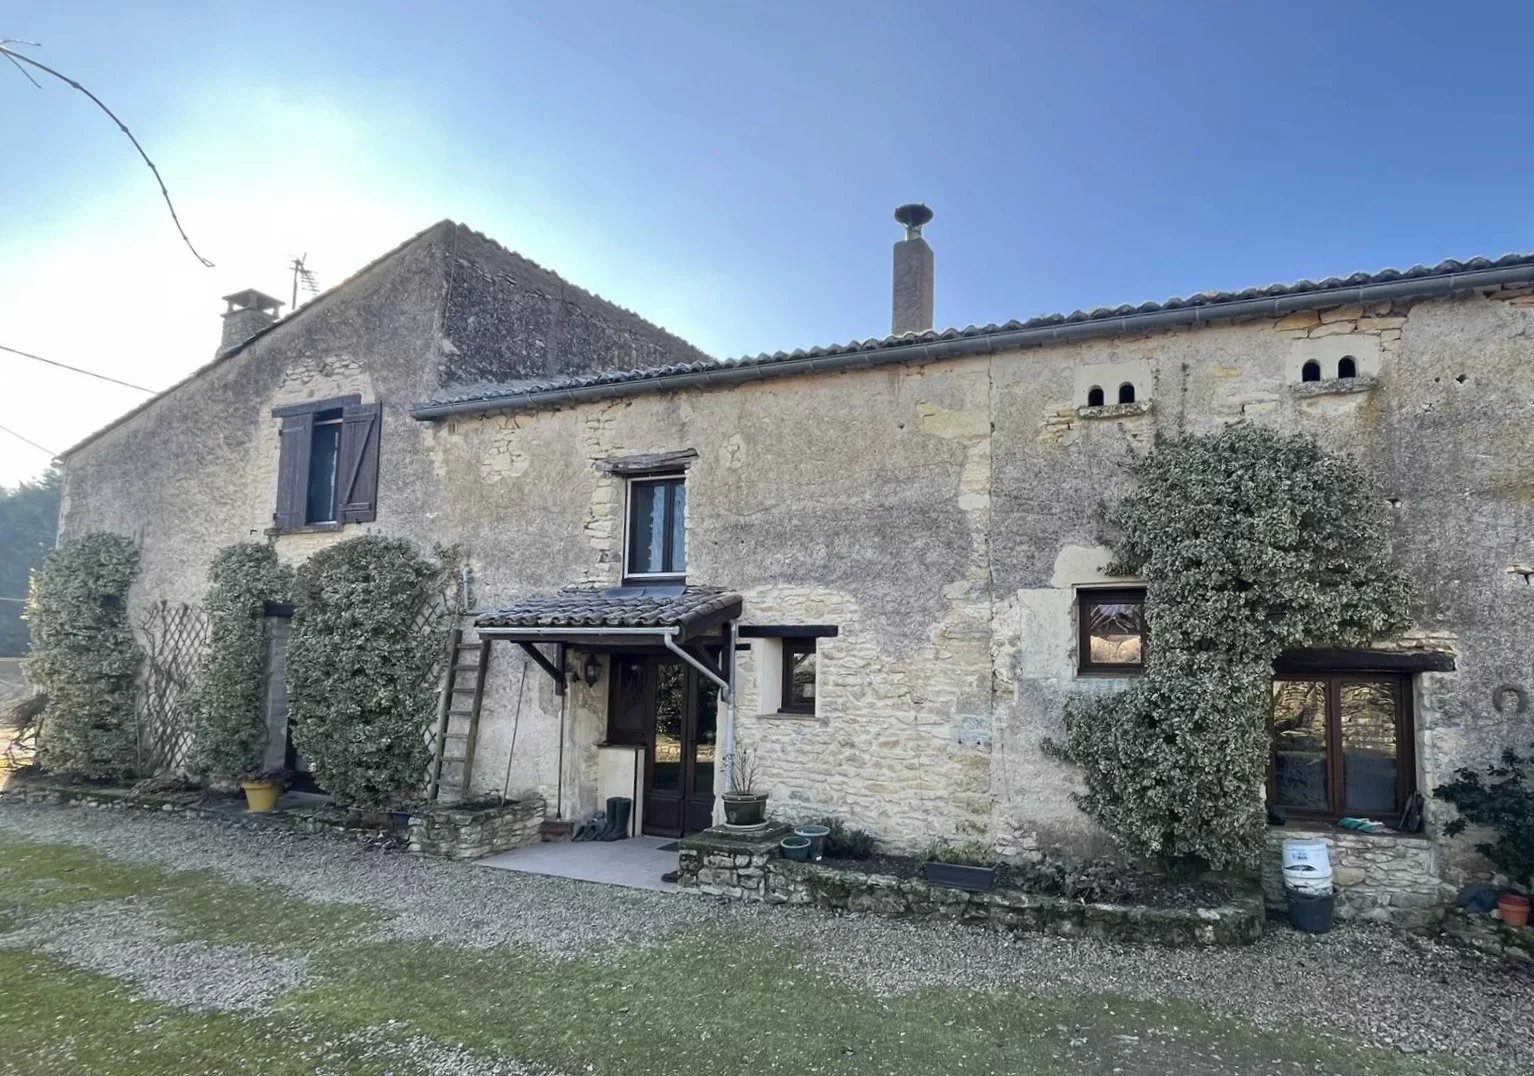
{"points": [[621, 815]]}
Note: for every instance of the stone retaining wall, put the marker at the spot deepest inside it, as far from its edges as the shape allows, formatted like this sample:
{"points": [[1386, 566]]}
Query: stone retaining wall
{"points": [[450, 831], [470, 831], [1380, 877], [1490, 935], [744, 868]]}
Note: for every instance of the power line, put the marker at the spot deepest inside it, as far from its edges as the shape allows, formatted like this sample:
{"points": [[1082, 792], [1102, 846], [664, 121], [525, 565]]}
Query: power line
{"points": [[28, 440], [19, 601], [76, 369]]}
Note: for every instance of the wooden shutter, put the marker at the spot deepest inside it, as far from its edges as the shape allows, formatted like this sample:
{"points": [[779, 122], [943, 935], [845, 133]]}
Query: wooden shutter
{"points": [[296, 436], [357, 481]]}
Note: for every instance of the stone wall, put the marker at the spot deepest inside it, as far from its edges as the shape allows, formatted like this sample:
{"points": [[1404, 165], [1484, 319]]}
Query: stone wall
{"points": [[1380, 877], [740, 868], [472, 831], [941, 514]]}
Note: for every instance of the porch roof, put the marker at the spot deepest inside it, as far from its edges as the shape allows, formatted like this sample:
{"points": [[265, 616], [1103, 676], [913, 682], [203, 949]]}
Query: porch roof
{"points": [[694, 610]]}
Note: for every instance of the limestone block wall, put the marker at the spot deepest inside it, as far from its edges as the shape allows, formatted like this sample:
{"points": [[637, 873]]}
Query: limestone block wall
{"points": [[1380, 877], [472, 831]]}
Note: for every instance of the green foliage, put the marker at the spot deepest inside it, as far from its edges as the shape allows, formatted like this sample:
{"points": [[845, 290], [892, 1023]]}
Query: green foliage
{"points": [[367, 633], [968, 853], [1503, 800], [29, 522], [846, 841], [228, 715], [84, 657], [1251, 542]]}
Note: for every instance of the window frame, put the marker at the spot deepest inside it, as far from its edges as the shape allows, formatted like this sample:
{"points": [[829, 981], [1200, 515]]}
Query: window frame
{"points": [[789, 646], [1092, 595], [1336, 773], [629, 530], [355, 498], [335, 417]]}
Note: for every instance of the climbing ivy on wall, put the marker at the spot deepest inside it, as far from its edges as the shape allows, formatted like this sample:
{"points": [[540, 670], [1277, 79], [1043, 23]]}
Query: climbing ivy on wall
{"points": [[1250, 542], [227, 707], [367, 633], [83, 656]]}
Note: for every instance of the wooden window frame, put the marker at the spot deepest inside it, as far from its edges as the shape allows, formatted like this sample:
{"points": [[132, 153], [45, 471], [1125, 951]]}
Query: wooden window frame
{"points": [[791, 645], [630, 531], [1336, 774], [1090, 596]]}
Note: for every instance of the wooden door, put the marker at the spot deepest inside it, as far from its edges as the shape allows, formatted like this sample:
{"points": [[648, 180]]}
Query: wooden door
{"points": [[680, 709]]}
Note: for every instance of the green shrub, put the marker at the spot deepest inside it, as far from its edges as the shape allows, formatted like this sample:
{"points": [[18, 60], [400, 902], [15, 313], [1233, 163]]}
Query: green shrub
{"points": [[364, 646], [1250, 542], [846, 841], [969, 853], [84, 657], [227, 708], [1503, 800]]}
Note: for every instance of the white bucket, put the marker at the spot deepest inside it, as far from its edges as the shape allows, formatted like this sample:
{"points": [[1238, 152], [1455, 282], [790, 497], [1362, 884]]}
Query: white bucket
{"points": [[1308, 880], [1308, 853]]}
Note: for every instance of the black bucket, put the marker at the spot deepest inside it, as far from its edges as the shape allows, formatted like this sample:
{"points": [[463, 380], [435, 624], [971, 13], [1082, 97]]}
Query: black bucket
{"points": [[1311, 913]]}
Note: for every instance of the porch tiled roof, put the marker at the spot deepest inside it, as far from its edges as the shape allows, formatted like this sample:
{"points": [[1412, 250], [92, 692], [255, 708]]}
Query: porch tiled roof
{"points": [[619, 607]]}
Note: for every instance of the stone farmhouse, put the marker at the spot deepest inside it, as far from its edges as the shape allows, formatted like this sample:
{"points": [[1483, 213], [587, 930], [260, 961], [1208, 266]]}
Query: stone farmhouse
{"points": [[875, 564]]}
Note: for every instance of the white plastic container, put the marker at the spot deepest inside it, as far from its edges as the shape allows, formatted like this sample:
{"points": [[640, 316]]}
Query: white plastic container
{"points": [[1307, 866], [1308, 852]]}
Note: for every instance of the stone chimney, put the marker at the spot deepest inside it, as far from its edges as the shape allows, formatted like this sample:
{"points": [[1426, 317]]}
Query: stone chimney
{"points": [[247, 313], [913, 273]]}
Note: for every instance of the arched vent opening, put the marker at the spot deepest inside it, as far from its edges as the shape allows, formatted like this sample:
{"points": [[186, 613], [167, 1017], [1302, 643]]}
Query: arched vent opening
{"points": [[1095, 396], [1347, 366], [1311, 371], [1126, 393]]}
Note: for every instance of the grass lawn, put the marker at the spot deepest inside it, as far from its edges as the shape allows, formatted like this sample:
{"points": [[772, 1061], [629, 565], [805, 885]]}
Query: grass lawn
{"points": [[728, 1003]]}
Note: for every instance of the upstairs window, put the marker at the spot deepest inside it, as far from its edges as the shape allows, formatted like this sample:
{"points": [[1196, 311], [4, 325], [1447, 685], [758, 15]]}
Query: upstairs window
{"points": [[327, 465], [1111, 625], [657, 528]]}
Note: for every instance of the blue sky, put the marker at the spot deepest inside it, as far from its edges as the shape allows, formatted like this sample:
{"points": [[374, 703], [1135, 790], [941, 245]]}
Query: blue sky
{"points": [[729, 170]]}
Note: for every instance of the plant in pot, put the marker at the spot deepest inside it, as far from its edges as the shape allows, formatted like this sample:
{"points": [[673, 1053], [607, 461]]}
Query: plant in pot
{"points": [[744, 806], [967, 866], [262, 787], [1502, 799]]}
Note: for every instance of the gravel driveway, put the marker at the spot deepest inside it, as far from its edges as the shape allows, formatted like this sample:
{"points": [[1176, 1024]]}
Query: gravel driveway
{"points": [[1373, 984]]}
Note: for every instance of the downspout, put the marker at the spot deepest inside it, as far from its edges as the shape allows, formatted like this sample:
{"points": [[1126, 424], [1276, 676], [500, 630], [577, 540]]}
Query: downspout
{"points": [[726, 693]]}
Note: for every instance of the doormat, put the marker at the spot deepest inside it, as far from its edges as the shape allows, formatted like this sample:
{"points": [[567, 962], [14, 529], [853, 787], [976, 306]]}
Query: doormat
{"points": [[674, 846]]}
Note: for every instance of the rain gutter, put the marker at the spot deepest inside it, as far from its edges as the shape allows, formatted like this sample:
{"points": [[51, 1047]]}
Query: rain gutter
{"points": [[727, 374]]}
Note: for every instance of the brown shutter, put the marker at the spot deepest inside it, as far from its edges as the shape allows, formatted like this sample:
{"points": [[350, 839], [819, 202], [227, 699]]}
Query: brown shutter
{"points": [[358, 478], [297, 435]]}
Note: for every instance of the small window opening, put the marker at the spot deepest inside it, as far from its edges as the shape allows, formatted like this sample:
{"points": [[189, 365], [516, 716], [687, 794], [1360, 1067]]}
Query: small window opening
{"points": [[1311, 371], [1126, 393], [1095, 396], [1347, 366], [324, 465]]}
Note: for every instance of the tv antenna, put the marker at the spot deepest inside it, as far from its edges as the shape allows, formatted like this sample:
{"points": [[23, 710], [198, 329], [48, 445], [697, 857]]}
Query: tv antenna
{"points": [[303, 277]]}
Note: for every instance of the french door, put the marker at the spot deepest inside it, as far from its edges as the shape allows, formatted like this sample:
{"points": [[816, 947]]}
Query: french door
{"points": [[671, 710]]}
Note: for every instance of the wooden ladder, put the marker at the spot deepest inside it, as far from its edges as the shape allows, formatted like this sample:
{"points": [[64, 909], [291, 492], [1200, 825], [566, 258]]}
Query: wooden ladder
{"points": [[467, 664]]}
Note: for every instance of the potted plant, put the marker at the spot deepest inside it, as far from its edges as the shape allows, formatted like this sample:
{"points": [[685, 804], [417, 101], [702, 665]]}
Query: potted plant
{"points": [[967, 866], [262, 787], [1514, 907], [1501, 799], [743, 805]]}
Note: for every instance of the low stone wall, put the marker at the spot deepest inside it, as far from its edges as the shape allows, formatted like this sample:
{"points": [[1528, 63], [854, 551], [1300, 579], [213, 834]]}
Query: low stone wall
{"points": [[746, 868], [1490, 935], [470, 831], [451, 831], [1380, 877]]}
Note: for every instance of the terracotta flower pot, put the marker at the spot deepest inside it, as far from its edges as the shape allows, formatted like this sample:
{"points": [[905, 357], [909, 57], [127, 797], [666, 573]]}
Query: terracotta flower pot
{"points": [[1514, 909]]}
